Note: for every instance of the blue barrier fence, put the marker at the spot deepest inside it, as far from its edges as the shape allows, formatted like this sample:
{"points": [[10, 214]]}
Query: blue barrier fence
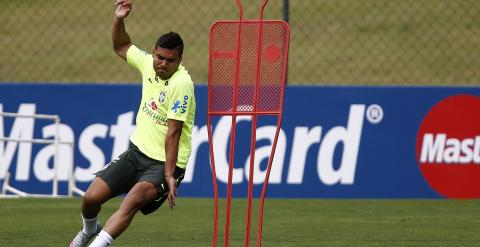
{"points": [[335, 142]]}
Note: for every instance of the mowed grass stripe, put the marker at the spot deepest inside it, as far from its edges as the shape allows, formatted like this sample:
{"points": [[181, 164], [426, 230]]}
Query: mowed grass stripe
{"points": [[287, 222]]}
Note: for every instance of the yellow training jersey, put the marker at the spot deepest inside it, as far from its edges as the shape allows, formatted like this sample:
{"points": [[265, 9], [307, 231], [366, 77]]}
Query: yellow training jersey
{"points": [[173, 98]]}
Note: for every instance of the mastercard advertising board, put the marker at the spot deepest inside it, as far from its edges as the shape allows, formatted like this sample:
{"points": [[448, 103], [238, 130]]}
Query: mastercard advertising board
{"points": [[334, 142], [448, 146]]}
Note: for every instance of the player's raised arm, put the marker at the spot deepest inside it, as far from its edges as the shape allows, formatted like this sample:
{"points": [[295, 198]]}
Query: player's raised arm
{"points": [[120, 38]]}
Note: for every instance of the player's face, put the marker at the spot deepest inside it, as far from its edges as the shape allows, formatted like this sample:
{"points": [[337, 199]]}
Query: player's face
{"points": [[165, 62]]}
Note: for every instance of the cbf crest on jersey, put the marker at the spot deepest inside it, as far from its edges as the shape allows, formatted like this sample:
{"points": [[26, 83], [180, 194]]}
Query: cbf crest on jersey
{"points": [[162, 97]]}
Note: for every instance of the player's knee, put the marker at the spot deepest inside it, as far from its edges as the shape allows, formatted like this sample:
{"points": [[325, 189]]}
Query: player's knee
{"points": [[91, 199], [135, 201], [141, 194]]}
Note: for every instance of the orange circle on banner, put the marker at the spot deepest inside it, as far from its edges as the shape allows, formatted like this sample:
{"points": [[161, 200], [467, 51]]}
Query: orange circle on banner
{"points": [[448, 147]]}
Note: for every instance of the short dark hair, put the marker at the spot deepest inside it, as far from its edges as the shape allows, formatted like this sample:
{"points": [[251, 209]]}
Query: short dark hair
{"points": [[171, 41]]}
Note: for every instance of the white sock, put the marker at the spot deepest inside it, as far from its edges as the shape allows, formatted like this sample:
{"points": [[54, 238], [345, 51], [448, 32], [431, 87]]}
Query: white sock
{"points": [[90, 225], [103, 239]]}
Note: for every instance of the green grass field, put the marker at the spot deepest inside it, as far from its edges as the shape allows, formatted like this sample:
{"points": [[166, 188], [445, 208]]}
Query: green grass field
{"points": [[305, 223]]}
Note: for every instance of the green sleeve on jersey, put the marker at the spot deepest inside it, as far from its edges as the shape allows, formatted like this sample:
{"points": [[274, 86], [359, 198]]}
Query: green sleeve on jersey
{"points": [[181, 98], [137, 57]]}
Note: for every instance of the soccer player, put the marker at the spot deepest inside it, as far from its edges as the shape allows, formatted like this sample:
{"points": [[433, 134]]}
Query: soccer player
{"points": [[154, 165]]}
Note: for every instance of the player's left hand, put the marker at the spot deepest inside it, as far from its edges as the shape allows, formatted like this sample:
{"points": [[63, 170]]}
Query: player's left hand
{"points": [[172, 191]]}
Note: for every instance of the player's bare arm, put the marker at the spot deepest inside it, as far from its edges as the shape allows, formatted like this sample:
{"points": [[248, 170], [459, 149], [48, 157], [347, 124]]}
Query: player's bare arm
{"points": [[171, 151], [120, 38]]}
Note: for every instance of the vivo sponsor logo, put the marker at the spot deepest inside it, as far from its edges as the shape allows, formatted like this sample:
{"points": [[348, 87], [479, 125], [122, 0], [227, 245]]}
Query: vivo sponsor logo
{"points": [[304, 137], [438, 148]]}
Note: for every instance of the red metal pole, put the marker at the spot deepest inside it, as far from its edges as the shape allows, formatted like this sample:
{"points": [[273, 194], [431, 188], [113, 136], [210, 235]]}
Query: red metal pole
{"points": [[230, 174], [233, 128], [214, 181], [272, 154], [265, 183], [250, 176], [254, 127]]}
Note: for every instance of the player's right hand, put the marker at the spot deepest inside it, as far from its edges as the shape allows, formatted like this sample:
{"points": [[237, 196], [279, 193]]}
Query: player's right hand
{"points": [[123, 8], [172, 191]]}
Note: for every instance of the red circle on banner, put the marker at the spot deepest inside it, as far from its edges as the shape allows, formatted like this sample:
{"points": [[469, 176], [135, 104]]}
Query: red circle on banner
{"points": [[448, 147]]}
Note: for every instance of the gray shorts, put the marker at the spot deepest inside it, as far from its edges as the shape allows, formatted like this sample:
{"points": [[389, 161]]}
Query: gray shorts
{"points": [[131, 167]]}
